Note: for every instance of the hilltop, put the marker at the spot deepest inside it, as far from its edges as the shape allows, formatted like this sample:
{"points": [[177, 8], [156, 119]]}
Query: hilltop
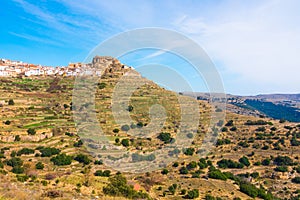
{"points": [[43, 157]]}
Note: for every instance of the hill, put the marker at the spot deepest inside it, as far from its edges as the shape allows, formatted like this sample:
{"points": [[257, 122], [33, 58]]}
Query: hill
{"points": [[43, 157]]}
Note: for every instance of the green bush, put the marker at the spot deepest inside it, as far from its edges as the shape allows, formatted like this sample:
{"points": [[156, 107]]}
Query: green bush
{"points": [[105, 173], [11, 102], [118, 187], [17, 138], [216, 174], [229, 123], [283, 160], [39, 165], [189, 151], [266, 162], [296, 180], [244, 160], [17, 170], [31, 131], [281, 169], [49, 151], [13, 162], [25, 151], [82, 159], [192, 194], [61, 159], [183, 170], [125, 142], [165, 137], [227, 163], [125, 128], [165, 171], [22, 178], [78, 144]]}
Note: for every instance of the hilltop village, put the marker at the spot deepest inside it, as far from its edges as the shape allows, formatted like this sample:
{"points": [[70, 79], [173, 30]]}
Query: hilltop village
{"points": [[9, 68]]}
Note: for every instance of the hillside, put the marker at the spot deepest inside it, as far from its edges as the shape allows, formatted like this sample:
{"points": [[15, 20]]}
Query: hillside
{"points": [[43, 157], [276, 106]]}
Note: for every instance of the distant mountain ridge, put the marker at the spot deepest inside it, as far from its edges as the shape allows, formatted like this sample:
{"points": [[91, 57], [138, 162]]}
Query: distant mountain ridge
{"points": [[277, 106]]}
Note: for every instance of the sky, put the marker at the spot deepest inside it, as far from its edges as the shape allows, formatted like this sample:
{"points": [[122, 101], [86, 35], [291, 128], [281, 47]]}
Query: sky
{"points": [[254, 45]]}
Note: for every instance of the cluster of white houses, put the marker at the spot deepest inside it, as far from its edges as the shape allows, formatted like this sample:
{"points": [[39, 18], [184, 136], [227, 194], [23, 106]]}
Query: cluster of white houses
{"points": [[10, 68]]}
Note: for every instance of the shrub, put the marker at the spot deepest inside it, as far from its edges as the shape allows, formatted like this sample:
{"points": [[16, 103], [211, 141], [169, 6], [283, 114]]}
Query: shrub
{"points": [[130, 108], [125, 142], [11, 102], [61, 159], [258, 122], [221, 142], [78, 144], [254, 174], [39, 165], [233, 128], [224, 129], [117, 186], [202, 163], [165, 137], [192, 194], [17, 170], [25, 151], [217, 174], [22, 178], [125, 128], [281, 169], [266, 162], [101, 85], [7, 122], [83, 159], [172, 188], [249, 189], [49, 151], [140, 124], [116, 130], [189, 151], [31, 131], [227, 163], [189, 135], [261, 129], [183, 170], [98, 162], [192, 165], [176, 164], [229, 123], [13, 162], [244, 160], [164, 171], [296, 180], [283, 160], [17, 138], [243, 144], [209, 197], [105, 173]]}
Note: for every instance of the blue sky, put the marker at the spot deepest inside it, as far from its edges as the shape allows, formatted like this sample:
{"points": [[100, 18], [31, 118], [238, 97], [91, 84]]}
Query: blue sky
{"points": [[255, 45]]}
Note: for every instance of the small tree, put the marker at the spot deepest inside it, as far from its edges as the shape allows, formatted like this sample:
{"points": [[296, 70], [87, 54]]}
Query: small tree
{"points": [[39, 165], [31, 131], [11, 102], [125, 128], [125, 142]]}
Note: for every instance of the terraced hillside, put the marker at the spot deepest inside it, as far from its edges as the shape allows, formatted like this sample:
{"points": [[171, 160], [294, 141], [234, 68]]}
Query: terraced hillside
{"points": [[43, 157]]}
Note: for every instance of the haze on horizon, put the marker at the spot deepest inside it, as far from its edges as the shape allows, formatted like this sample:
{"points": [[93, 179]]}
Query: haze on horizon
{"points": [[254, 45]]}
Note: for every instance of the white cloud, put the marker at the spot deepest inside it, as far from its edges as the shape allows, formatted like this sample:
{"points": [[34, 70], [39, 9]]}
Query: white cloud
{"points": [[261, 45]]}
